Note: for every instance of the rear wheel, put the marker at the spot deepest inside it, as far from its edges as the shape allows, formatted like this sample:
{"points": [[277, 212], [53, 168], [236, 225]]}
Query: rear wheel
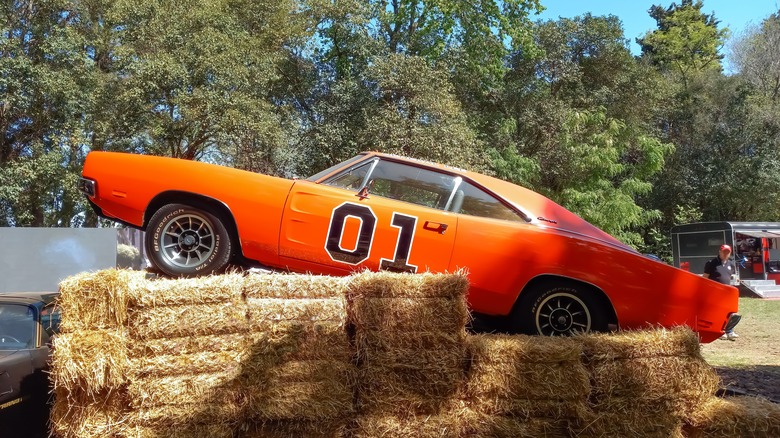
{"points": [[184, 241], [559, 307]]}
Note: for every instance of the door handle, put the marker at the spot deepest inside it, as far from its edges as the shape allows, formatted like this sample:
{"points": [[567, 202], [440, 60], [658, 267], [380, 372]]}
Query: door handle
{"points": [[435, 226]]}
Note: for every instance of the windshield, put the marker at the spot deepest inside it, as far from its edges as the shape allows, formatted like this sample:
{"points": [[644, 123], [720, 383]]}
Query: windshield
{"points": [[17, 326]]}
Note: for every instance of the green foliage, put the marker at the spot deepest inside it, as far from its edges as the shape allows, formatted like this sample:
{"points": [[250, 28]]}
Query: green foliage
{"points": [[686, 41]]}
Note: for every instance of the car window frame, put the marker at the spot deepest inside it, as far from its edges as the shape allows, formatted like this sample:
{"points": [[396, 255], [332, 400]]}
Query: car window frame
{"points": [[459, 180]]}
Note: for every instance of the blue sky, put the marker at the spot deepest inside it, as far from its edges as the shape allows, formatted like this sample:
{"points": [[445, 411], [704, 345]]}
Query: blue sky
{"points": [[734, 14]]}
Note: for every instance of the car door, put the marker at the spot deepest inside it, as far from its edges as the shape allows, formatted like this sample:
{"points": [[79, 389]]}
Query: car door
{"points": [[377, 214]]}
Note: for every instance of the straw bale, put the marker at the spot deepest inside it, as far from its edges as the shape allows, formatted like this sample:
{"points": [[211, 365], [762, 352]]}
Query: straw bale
{"points": [[187, 344], [193, 389], [735, 417], [182, 431], [645, 422], [96, 300], [298, 390], [294, 286], [195, 363], [301, 401], [449, 423], [489, 426], [407, 388], [214, 289], [95, 360], [513, 349], [76, 414], [679, 381], [677, 342], [416, 286], [173, 416], [307, 310], [522, 367], [388, 315], [193, 320], [295, 340], [331, 428]]}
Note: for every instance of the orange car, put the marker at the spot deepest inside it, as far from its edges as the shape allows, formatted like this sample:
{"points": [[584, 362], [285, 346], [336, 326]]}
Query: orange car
{"points": [[528, 258]]}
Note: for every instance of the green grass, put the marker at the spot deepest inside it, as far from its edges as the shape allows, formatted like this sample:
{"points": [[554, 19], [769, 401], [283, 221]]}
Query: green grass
{"points": [[759, 337]]}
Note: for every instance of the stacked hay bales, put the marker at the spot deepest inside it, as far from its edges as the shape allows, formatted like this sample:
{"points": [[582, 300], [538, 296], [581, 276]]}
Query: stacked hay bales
{"points": [[645, 383], [299, 376], [737, 417], [522, 386], [410, 346], [187, 348], [90, 358], [372, 355]]}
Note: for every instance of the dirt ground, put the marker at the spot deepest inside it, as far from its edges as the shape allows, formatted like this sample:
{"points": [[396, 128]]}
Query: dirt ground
{"points": [[751, 364], [761, 381]]}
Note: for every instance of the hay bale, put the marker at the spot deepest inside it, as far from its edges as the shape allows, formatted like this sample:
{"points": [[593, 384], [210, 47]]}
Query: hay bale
{"points": [[204, 362], [194, 320], [97, 300], [677, 342], [298, 390], [676, 384], [295, 286], [182, 392], [641, 421], [185, 345], [391, 315], [450, 423], [734, 417], [76, 414], [194, 430], [415, 286], [296, 340], [93, 360], [295, 428], [213, 289], [177, 416], [526, 377], [308, 310], [499, 426]]}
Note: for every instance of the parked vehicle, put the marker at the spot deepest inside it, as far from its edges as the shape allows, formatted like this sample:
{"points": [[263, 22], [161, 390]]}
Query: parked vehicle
{"points": [[529, 259], [28, 321]]}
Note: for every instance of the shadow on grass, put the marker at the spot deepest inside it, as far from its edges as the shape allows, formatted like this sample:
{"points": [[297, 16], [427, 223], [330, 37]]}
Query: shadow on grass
{"points": [[755, 380]]}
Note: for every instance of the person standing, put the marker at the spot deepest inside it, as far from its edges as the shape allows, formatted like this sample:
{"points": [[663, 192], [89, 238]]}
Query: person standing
{"points": [[720, 269]]}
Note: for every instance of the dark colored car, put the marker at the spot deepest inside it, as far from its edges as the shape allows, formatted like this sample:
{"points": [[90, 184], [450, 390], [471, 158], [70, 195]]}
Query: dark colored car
{"points": [[28, 321]]}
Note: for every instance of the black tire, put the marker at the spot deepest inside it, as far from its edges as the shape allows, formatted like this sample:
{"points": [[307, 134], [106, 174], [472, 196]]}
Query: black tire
{"points": [[559, 308], [183, 241]]}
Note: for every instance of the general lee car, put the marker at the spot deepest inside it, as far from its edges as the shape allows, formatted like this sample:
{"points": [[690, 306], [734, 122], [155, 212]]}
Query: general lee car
{"points": [[27, 323], [528, 259]]}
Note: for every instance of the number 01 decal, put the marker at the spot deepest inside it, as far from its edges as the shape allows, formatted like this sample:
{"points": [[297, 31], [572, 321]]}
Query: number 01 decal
{"points": [[403, 247]]}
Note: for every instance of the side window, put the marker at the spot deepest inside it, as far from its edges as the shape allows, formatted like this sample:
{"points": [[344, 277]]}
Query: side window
{"points": [[416, 185], [351, 179], [473, 201]]}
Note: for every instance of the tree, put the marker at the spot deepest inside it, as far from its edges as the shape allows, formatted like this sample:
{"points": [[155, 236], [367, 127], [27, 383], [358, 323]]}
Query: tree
{"points": [[45, 83], [580, 128], [686, 41]]}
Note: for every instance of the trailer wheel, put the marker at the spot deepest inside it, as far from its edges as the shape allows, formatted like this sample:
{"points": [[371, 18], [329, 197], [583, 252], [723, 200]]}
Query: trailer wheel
{"points": [[184, 241]]}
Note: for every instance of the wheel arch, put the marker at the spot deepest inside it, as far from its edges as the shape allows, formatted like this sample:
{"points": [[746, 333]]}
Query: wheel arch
{"points": [[598, 294], [211, 205]]}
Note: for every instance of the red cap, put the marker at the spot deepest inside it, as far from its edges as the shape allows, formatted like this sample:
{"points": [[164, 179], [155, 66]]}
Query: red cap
{"points": [[725, 248]]}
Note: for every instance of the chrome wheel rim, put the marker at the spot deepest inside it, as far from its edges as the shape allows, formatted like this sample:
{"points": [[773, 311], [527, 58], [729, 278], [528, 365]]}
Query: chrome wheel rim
{"points": [[187, 241], [562, 314]]}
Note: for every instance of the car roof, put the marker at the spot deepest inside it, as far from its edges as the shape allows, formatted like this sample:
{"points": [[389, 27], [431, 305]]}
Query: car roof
{"points": [[39, 298]]}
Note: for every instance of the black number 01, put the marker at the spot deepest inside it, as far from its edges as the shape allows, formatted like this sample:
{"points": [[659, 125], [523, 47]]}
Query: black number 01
{"points": [[405, 224]]}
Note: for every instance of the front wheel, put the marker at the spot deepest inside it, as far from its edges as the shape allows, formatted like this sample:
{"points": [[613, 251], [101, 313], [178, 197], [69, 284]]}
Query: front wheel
{"points": [[557, 308], [184, 241]]}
